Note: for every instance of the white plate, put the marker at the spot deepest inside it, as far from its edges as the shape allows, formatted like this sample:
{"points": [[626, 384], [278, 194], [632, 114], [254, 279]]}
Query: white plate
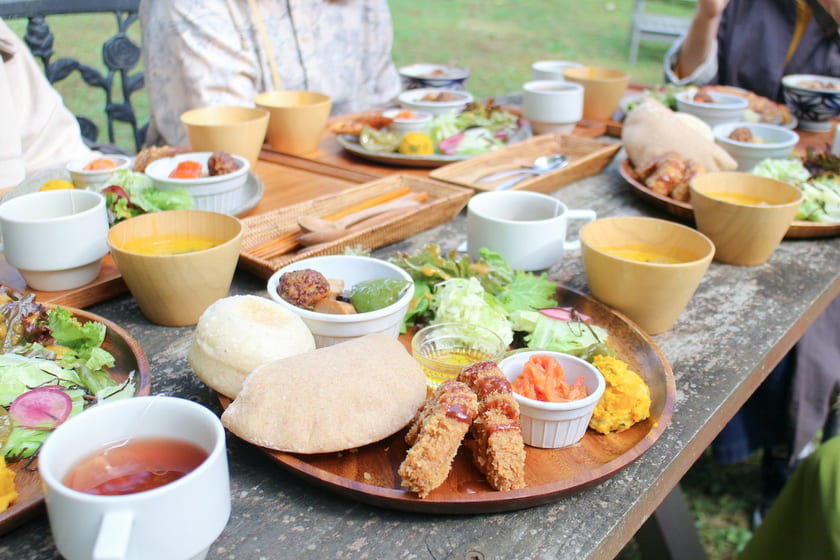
{"points": [[351, 144], [252, 193]]}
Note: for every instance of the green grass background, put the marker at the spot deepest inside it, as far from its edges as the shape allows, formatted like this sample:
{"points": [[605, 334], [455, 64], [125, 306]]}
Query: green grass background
{"points": [[498, 40]]}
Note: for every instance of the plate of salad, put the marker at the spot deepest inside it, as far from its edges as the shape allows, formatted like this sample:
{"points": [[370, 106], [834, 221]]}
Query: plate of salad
{"points": [[527, 310], [56, 362], [478, 129]]}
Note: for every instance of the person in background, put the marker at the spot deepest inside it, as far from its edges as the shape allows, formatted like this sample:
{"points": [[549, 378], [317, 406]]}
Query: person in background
{"points": [[226, 52], [752, 44], [38, 131], [804, 522]]}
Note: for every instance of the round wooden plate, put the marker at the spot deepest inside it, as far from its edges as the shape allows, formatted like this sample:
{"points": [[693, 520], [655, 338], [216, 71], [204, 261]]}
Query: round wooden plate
{"points": [[799, 229], [128, 357], [369, 474]]}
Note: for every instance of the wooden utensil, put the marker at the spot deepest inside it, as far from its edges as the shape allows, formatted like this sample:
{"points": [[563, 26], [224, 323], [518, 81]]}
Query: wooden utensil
{"points": [[316, 224]]}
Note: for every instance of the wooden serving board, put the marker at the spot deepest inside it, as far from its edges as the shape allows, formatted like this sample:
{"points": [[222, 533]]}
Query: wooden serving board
{"points": [[369, 474], [587, 156]]}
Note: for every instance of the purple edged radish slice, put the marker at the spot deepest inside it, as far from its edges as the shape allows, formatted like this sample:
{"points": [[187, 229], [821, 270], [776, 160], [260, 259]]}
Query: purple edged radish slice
{"points": [[41, 409]]}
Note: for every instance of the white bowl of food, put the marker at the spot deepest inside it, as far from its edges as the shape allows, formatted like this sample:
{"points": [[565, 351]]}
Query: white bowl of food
{"points": [[555, 424], [814, 100], [435, 101], [408, 120], [712, 107], [424, 75], [329, 319], [749, 143], [95, 169], [214, 179]]}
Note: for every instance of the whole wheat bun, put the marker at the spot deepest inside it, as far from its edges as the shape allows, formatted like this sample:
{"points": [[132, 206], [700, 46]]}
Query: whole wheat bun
{"points": [[335, 398], [652, 129], [238, 333]]}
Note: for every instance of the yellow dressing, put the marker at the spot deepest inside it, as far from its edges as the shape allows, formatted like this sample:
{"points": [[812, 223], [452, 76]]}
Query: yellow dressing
{"points": [[170, 244]]}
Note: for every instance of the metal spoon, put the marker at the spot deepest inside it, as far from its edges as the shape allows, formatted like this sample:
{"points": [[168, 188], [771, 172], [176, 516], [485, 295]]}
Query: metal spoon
{"points": [[313, 223], [542, 164]]}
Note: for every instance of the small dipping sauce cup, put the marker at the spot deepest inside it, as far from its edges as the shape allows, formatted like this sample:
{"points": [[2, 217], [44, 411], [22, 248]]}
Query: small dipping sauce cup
{"points": [[444, 349]]}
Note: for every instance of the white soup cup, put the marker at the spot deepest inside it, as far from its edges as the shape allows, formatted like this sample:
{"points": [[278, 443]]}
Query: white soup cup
{"points": [[552, 106], [176, 521], [526, 228]]}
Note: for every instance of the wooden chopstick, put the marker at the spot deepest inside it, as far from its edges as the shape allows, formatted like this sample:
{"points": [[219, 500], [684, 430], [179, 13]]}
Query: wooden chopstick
{"points": [[287, 242]]}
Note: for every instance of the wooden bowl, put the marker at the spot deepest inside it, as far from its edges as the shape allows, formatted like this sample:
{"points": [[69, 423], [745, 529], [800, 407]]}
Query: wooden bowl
{"points": [[175, 289], [744, 233], [602, 89], [235, 130], [652, 294], [297, 119]]}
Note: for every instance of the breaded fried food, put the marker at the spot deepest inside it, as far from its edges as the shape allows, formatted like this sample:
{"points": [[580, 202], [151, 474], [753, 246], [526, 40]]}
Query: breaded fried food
{"points": [[497, 447], [436, 435], [355, 124]]}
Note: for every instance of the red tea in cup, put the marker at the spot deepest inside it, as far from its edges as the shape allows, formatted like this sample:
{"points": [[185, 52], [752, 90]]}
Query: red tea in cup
{"points": [[135, 465]]}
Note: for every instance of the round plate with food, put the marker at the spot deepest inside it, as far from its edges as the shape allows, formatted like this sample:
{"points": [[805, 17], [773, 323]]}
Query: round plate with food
{"points": [[130, 375], [369, 474], [799, 229]]}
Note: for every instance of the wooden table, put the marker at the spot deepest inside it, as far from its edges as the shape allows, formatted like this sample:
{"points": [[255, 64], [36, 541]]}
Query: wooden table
{"points": [[739, 324]]}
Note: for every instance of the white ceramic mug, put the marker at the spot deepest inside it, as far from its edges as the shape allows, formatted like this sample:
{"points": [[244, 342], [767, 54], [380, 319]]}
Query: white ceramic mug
{"points": [[177, 521], [552, 106], [527, 229], [551, 69], [56, 239]]}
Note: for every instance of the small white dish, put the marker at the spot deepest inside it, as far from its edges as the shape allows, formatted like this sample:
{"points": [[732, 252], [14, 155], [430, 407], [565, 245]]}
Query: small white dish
{"points": [[772, 141], [424, 75], [555, 424], [419, 122], [218, 193], [83, 178], [455, 101], [724, 108]]}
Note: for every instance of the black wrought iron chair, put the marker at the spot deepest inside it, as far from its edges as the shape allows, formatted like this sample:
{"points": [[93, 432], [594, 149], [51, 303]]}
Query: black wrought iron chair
{"points": [[119, 53]]}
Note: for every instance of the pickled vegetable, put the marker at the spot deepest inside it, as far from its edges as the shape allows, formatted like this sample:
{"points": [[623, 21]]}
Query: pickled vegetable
{"points": [[371, 295], [187, 170]]}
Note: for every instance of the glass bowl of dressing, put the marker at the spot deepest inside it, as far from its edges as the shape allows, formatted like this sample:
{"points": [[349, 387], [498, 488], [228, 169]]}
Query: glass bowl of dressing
{"points": [[444, 349]]}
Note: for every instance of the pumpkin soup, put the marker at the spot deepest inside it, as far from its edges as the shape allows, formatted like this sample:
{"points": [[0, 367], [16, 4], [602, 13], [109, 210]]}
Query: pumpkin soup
{"points": [[738, 198], [649, 253], [170, 244]]}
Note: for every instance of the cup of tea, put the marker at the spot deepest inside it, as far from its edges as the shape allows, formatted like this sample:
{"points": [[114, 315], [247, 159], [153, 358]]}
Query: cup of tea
{"points": [[552, 105], [526, 228], [551, 69], [145, 477], [56, 239]]}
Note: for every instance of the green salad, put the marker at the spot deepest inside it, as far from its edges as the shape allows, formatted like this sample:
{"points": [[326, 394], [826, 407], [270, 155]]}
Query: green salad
{"points": [[51, 367], [521, 307]]}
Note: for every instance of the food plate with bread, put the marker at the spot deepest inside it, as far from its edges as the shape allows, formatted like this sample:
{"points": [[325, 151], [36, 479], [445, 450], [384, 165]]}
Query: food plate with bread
{"points": [[799, 229], [369, 473]]}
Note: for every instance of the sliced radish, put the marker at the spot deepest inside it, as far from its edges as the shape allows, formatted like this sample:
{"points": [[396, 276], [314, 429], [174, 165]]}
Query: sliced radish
{"points": [[565, 314], [41, 409]]}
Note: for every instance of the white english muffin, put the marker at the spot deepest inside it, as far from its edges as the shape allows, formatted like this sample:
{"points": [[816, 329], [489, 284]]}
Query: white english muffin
{"points": [[238, 333]]}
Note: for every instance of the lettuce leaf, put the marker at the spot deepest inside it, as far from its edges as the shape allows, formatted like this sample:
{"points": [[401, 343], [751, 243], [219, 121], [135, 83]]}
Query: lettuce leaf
{"points": [[464, 300]]}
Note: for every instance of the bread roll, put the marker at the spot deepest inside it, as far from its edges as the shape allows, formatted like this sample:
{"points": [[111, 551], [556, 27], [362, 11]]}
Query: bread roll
{"points": [[238, 333], [652, 129], [334, 398]]}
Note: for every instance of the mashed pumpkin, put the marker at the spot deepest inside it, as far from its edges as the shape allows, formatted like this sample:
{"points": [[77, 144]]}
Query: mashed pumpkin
{"points": [[626, 399], [7, 485]]}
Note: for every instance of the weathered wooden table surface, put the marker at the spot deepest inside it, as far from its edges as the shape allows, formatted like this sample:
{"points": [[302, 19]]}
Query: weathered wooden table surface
{"points": [[739, 324]]}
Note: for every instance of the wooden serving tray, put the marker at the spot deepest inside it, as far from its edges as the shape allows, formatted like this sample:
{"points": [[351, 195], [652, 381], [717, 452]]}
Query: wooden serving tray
{"points": [[443, 203], [587, 156], [369, 474]]}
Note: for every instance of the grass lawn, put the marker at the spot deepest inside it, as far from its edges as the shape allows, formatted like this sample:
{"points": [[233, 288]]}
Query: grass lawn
{"points": [[498, 40]]}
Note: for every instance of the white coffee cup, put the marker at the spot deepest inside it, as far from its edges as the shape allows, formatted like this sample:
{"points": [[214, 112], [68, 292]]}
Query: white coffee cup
{"points": [[56, 239], [551, 69], [526, 228], [176, 521], [552, 106]]}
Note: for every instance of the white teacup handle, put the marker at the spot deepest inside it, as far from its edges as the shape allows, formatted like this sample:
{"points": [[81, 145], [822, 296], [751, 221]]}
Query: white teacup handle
{"points": [[588, 215], [114, 535]]}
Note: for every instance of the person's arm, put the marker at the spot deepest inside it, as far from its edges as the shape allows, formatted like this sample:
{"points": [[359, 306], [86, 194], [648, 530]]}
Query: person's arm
{"points": [[832, 7], [700, 41]]}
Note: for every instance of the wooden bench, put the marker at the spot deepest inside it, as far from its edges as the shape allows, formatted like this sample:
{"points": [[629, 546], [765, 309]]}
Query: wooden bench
{"points": [[119, 53]]}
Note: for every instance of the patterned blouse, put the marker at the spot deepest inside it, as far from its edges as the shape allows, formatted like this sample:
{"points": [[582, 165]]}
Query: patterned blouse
{"points": [[212, 53]]}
